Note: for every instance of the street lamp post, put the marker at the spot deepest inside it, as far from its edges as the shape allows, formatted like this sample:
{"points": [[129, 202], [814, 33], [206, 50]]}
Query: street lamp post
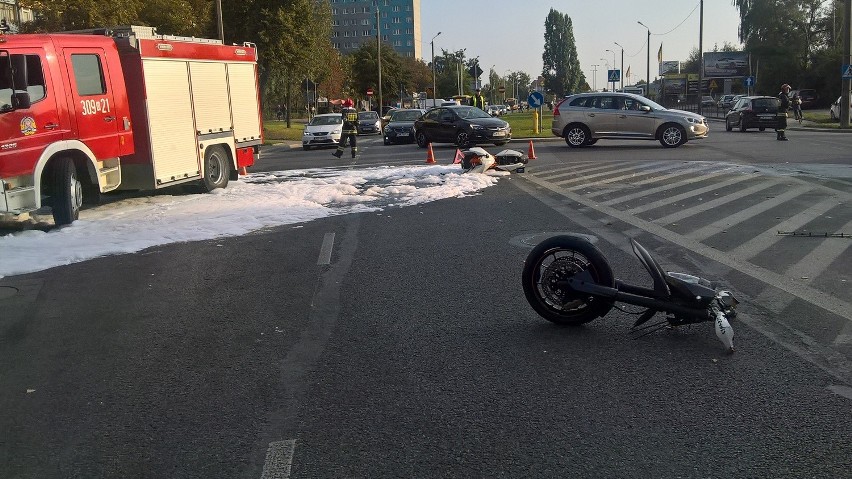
{"points": [[648, 63], [613, 65], [622, 66], [595, 77], [434, 86]]}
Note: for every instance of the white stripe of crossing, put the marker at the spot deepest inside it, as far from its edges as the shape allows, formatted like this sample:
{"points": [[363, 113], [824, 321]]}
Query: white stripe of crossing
{"points": [[658, 189], [706, 205], [279, 458], [586, 178], [578, 171], [631, 175], [746, 214], [689, 194]]}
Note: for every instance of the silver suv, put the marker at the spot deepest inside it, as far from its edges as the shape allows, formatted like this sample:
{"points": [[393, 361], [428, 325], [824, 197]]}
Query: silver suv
{"points": [[585, 118]]}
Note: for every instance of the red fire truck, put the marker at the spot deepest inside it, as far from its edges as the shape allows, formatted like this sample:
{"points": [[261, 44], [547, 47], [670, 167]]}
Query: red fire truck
{"points": [[86, 113]]}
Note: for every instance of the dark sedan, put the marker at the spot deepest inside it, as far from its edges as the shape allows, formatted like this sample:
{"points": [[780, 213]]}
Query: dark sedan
{"points": [[400, 127], [759, 112], [462, 125]]}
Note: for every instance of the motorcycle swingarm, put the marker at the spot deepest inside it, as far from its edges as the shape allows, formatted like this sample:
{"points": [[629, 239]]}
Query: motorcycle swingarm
{"points": [[631, 295]]}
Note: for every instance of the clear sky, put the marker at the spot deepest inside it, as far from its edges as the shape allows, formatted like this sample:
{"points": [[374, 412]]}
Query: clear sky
{"points": [[509, 34]]}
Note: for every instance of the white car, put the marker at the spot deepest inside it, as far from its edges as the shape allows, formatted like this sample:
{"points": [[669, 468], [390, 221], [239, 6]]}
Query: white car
{"points": [[834, 111], [323, 130]]}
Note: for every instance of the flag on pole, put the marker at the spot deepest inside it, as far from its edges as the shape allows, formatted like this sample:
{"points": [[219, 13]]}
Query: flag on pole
{"points": [[627, 74], [660, 54]]}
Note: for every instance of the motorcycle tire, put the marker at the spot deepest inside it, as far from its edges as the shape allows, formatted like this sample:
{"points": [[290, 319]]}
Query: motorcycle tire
{"points": [[559, 258]]}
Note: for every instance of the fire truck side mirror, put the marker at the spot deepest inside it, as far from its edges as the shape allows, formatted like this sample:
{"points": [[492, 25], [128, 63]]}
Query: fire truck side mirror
{"points": [[21, 100]]}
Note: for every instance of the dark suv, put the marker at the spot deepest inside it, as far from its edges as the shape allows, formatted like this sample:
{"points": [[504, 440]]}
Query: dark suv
{"points": [[759, 112]]}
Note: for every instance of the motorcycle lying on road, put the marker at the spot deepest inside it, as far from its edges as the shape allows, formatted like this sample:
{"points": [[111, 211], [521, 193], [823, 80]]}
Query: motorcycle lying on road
{"points": [[477, 160], [567, 280]]}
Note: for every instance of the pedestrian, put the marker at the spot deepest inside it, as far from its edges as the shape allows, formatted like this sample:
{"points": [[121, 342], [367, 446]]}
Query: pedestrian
{"points": [[797, 107], [279, 112], [478, 100], [783, 108], [350, 129]]}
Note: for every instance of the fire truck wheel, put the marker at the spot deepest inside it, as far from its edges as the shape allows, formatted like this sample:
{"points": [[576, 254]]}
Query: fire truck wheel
{"points": [[217, 168], [67, 192]]}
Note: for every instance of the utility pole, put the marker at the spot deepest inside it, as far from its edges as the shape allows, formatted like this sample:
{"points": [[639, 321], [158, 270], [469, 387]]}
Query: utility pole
{"points": [[219, 21], [595, 77], [379, 49], [847, 59], [700, 55]]}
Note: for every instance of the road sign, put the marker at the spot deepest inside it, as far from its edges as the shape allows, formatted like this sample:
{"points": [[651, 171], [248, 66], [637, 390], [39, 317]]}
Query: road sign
{"points": [[535, 100], [749, 81], [713, 85], [369, 92], [501, 89], [614, 75], [846, 72]]}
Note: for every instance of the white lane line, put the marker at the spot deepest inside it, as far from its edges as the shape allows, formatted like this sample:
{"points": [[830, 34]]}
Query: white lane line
{"points": [[746, 214], [546, 171], [325, 250], [279, 458], [655, 179]]}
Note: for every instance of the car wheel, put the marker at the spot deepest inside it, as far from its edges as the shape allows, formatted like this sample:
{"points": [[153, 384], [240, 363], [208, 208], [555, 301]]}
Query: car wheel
{"points": [[217, 168], [462, 139], [576, 136], [67, 192], [422, 141], [742, 126], [728, 126], [672, 136]]}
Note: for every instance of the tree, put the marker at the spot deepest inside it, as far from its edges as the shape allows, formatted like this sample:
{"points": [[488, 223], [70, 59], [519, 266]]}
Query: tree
{"points": [[365, 70], [172, 17], [417, 75], [562, 73], [292, 37]]}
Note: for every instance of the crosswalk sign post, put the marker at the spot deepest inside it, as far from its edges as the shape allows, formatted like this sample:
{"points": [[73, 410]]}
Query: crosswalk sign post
{"points": [[613, 76], [845, 77]]}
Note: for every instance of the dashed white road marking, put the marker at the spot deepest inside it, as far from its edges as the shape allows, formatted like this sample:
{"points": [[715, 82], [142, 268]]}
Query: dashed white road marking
{"points": [[325, 249], [279, 458]]}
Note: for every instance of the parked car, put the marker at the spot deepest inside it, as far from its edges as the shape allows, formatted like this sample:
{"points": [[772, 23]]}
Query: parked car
{"points": [[585, 118], [401, 125], [323, 130], [808, 95], [493, 110], [386, 116], [708, 101], [726, 101], [759, 112], [460, 124], [369, 123], [834, 111]]}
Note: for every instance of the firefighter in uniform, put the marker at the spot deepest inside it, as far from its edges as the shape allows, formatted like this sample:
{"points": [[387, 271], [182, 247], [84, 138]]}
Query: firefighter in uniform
{"points": [[350, 129]]}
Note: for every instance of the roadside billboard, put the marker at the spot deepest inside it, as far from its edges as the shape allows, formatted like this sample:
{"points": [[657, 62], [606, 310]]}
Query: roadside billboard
{"points": [[669, 67], [725, 64]]}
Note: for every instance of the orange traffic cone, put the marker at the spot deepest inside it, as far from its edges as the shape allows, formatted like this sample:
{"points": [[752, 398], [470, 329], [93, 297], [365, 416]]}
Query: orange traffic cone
{"points": [[531, 154], [430, 157], [458, 158]]}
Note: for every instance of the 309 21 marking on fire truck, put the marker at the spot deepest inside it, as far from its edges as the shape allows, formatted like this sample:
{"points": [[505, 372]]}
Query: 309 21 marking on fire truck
{"points": [[93, 107]]}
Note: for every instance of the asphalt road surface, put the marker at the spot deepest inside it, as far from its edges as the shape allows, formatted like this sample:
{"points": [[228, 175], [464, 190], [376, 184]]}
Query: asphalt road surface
{"points": [[399, 343]]}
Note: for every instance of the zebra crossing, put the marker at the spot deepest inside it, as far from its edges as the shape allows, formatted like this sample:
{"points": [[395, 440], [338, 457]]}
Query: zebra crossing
{"points": [[733, 214]]}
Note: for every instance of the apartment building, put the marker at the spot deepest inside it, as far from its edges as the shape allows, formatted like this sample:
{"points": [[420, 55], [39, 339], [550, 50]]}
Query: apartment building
{"points": [[354, 23]]}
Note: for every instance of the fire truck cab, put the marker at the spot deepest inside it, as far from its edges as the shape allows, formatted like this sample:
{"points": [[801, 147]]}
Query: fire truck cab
{"points": [[91, 112]]}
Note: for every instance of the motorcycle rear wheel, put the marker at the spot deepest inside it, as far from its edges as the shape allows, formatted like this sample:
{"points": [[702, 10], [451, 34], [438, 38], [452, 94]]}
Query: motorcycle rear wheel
{"points": [[557, 259]]}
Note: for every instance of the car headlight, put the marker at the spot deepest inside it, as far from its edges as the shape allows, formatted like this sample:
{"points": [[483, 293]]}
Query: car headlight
{"points": [[337, 131], [306, 133], [477, 127], [693, 120]]}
